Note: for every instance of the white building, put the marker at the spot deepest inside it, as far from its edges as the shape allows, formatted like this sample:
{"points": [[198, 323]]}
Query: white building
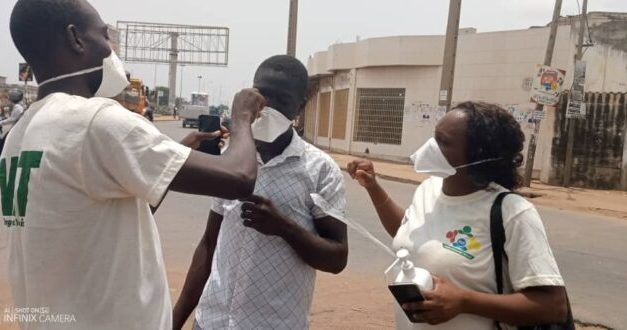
{"points": [[379, 96]]}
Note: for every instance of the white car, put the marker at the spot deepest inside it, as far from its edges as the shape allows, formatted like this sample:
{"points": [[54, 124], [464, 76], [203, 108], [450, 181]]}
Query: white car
{"points": [[190, 113]]}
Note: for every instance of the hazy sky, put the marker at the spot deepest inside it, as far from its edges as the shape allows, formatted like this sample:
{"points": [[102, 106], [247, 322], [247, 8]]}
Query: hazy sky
{"points": [[259, 28]]}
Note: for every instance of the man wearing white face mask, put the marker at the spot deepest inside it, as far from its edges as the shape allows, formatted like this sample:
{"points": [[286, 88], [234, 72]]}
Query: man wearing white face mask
{"points": [[473, 161], [258, 258], [79, 173]]}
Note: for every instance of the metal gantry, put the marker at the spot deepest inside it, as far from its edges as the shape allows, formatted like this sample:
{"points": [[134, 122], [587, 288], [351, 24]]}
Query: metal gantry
{"points": [[173, 44]]}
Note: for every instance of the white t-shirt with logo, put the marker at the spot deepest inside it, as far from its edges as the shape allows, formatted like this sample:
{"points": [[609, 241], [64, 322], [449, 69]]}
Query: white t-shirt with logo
{"points": [[83, 244], [450, 237]]}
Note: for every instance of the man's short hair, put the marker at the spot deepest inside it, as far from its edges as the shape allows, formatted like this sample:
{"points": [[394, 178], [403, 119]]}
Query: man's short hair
{"points": [[289, 66], [38, 26]]}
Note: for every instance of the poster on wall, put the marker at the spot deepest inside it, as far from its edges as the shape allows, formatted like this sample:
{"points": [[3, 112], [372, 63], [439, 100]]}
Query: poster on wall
{"points": [[576, 101], [24, 72], [547, 85]]}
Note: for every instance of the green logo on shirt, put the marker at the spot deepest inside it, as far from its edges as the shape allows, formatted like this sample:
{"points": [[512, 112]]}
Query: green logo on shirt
{"points": [[462, 241], [26, 161]]}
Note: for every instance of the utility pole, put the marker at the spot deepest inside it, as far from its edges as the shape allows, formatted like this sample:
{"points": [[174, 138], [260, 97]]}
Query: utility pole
{"points": [[568, 163], [154, 87], [548, 58], [181, 85], [174, 54], [292, 28], [450, 51]]}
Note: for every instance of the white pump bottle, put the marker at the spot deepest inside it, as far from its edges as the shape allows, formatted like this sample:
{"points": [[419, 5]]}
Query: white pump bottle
{"points": [[406, 272]]}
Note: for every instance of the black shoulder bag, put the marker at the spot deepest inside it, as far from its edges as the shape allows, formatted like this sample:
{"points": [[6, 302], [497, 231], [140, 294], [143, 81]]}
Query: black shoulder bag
{"points": [[497, 234]]}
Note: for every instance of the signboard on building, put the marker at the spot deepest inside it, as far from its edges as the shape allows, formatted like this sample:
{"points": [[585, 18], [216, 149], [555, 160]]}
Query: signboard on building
{"points": [[527, 83], [25, 73], [576, 101], [547, 85], [538, 115]]}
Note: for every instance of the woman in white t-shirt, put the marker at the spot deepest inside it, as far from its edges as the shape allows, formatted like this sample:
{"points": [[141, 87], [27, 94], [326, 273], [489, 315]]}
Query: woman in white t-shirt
{"points": [[475, 155]]}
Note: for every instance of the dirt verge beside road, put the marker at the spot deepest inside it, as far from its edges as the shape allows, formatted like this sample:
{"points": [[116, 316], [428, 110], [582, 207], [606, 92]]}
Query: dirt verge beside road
{"points": [[598, 202]]}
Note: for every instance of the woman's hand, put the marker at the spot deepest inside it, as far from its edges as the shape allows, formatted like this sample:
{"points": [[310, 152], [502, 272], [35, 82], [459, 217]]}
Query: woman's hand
{"points": [[362, 170], [442, 304]]}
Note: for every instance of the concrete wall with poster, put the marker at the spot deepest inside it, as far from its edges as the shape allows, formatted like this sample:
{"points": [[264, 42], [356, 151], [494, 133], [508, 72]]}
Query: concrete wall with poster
{"points": [[491, 67], [496, 67]]}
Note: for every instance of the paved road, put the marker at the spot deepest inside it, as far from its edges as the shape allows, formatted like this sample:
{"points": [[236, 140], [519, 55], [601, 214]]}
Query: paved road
{"points": [[590, 250]]}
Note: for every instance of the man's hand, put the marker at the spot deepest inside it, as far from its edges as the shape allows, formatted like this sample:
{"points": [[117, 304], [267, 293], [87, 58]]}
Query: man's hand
{"points": [[362, 170], [260, 214], [247, 104], [440, 305], [192, 140]]}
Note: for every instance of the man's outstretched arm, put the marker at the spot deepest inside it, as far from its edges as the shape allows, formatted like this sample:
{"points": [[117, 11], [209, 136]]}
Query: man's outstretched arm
{"points": [[233, 174]]}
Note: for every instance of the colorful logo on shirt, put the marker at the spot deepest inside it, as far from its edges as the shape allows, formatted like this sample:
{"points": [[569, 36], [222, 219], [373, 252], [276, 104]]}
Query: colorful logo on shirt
{"points": [[14, 211], [462, 242]]}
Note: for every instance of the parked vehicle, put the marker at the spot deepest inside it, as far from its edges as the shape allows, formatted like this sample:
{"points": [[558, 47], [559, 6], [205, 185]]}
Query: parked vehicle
{"points": [[190, 112], [134, 96]]}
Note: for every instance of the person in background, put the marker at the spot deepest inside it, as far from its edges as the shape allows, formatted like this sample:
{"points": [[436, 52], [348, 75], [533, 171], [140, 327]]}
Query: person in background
{"points": [[257, 259], [474, 156], [16, 97], [149, 112], [83, 242]]}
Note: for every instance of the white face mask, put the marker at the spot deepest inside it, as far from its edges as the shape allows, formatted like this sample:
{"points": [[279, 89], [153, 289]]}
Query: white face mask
{"points": [[270, 125], [113, 76], [429, 159]]}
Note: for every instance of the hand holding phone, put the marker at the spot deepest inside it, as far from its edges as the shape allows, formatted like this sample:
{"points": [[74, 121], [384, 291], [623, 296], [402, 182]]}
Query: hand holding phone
{"points": [[209, 124], [406, 293]]}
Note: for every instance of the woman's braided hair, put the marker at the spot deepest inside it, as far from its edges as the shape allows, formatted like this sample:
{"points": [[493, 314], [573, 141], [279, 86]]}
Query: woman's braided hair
{"points": [[492, 133]]}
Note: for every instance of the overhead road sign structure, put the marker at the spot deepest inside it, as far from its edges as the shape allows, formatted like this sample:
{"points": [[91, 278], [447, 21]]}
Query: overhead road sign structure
{"points": [[173, 44], [152, 43]]}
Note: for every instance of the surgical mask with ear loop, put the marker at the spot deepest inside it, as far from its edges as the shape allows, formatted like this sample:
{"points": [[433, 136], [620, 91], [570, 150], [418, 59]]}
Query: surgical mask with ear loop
{"points": [[269, 125], [113, 76], [429, 159]]}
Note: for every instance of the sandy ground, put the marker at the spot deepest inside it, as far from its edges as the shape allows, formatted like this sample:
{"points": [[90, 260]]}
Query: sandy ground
{"points": [[346, 301]]}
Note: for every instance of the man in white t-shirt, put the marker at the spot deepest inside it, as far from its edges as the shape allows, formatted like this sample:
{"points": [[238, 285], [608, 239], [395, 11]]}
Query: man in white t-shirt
{"points": [[78, 173]]}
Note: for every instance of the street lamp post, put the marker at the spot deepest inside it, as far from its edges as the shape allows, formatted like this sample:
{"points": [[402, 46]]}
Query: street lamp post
{"points": [[181, 85], [199, 79]]}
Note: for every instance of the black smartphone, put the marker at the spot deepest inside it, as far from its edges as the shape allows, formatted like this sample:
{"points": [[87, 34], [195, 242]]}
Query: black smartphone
{"points": [[208, 123], [406, 293]]}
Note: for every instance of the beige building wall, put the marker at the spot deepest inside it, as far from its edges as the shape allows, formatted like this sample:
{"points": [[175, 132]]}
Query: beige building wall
{"points": [[493, 67], [420, 85]]}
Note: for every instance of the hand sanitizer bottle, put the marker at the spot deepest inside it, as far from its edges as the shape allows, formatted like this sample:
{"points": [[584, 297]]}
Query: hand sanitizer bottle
{"points": [[410, 274]]}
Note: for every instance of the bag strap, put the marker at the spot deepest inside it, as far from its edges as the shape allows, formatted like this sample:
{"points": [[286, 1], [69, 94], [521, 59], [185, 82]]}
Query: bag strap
{"points": [[497, 235]]}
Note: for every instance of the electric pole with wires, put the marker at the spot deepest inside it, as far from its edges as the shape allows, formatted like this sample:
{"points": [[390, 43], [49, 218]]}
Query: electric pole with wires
{"points": [[568, 163], [450, 51], [292, 28], [548, 58]]}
